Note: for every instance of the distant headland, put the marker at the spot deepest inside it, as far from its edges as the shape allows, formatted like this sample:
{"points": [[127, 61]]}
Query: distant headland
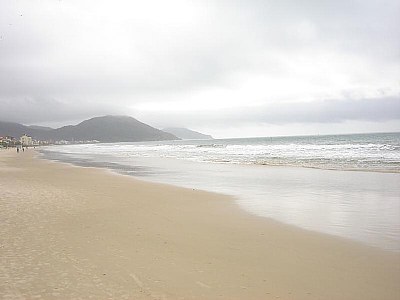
{"points": [[105, 129]]}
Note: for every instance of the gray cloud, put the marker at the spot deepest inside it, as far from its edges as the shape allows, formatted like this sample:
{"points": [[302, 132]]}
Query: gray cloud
{"points": [[327, 111], [48, 110], [65, 60], [332, 111]]}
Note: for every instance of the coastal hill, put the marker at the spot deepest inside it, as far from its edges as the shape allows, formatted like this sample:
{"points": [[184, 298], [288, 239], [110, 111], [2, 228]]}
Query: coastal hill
{"points": [[103, 129], [17, 130], [40, 127], [111, 129], [187, 134]]}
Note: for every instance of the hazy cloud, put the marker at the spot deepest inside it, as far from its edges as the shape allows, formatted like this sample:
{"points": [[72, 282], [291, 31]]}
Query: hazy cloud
{"points": [[254, 61], [332, 111], [47, 110], [327, 111]]}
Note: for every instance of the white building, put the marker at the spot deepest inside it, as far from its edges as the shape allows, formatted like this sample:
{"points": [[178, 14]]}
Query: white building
{"points": [[26, 140]]}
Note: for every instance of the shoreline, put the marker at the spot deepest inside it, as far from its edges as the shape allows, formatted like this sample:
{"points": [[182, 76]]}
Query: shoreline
{"points": [[80, 232], [345, 214], [322, 168]]}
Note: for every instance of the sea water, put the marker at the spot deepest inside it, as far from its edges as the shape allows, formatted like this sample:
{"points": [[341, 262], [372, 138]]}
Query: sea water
{"points": [[344, 185]]}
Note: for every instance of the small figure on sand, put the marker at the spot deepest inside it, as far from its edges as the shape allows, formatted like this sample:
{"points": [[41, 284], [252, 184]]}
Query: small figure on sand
{"points": [[17, 150]]}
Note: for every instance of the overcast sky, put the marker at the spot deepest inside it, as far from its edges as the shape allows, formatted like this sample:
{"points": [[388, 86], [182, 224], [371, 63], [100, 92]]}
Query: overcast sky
{"points": [[227, 68]]}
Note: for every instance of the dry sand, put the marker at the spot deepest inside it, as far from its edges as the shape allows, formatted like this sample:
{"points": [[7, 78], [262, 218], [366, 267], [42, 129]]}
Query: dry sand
{"points": [[74, 233]]}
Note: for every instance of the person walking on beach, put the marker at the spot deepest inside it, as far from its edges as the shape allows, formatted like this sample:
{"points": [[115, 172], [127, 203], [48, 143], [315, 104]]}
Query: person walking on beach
{"points": [[17, 150]]}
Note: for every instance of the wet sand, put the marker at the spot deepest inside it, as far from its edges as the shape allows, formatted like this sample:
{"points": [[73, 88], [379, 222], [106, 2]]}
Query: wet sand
{"points": [[80, 233]]}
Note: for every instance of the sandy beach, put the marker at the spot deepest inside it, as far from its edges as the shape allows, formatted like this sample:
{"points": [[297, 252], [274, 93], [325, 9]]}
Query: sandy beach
{"points": [[83, 233]]}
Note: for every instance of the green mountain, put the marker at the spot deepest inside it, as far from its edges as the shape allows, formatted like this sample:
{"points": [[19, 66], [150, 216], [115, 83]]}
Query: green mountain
{"points": [[103, 129], [16, 130]]}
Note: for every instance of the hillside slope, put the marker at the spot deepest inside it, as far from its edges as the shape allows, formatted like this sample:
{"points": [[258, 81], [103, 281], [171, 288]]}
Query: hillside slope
{"points": [[111, 129], [103, 129], [187, 134]]}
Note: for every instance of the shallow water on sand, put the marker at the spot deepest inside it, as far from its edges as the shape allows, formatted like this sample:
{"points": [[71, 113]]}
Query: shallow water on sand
{"points": [[363, 206]]}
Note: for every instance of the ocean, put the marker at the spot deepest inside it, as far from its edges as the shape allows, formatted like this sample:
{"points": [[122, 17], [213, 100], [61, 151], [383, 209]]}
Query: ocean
{"points": [[343, 185]]}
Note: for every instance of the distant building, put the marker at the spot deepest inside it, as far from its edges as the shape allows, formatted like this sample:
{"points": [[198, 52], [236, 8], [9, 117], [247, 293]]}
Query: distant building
{"points": [[26, 140], [7, 141]]}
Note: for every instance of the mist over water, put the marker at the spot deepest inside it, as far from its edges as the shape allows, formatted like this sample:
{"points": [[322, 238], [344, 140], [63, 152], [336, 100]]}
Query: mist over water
{"points": [[268, 178]]}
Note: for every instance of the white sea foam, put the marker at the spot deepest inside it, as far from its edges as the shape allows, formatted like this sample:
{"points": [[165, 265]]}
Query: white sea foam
{"points": [[364, 206], [355, 152]]}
